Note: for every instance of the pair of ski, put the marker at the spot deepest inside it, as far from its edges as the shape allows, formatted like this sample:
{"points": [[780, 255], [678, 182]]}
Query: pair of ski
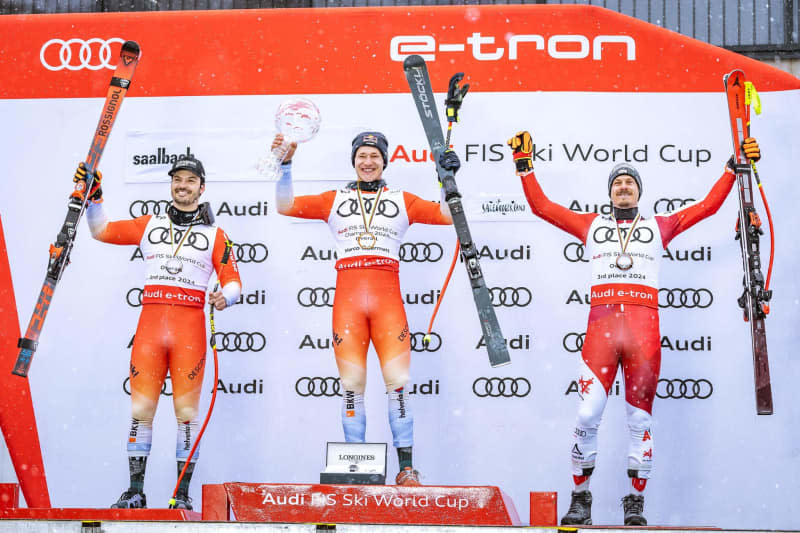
{"points": [[62, 247]]}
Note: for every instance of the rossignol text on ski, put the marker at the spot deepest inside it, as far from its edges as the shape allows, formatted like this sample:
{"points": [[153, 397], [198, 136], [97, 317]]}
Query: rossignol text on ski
{"points": [[60, 250], [419, 82], [756, 295]]}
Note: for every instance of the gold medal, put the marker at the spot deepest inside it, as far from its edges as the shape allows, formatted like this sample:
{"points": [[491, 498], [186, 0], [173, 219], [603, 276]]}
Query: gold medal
{"points": [[367, 240]]}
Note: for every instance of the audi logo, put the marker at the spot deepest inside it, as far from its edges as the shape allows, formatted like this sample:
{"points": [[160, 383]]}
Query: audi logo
{"points": [[140, 208], [573, 342], [240, 342], [573, 252], [418, 346], [501, 387], [160, 235], [664, 205], [318, 386], [316, 296], [386, 208], [134, 297], [687, 389], [250, 253], [606, 234], [510, 296], [166, 387], [77, 54], [685, 298], [421, 252]]}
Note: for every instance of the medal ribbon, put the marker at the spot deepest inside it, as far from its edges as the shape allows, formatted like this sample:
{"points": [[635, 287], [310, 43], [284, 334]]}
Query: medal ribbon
{"points": [[361, 204], [172, 239], [630, 232]]}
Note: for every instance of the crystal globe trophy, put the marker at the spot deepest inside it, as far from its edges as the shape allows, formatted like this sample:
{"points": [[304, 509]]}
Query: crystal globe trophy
{"points": [[298, 120]]}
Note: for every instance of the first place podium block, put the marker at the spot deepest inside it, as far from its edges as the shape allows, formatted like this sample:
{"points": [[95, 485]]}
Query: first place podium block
{"points": [[368, 504]]}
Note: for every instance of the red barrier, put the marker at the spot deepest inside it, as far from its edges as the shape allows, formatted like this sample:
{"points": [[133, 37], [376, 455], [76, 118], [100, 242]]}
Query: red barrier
{"points": [[138, 515], [371, 504], [17, 418], [544, 509]]}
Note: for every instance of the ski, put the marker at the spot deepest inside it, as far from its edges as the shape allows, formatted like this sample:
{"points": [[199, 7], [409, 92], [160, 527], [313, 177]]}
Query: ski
{"points": [[754, 299], [61, 249], [420, 84]]}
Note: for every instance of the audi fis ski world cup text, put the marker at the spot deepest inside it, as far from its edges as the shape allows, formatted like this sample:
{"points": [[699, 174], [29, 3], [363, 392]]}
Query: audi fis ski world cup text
{"points": [[320, 499]]}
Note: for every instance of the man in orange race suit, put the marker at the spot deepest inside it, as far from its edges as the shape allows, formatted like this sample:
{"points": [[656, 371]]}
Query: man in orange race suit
{"points": [[368, 221], [625, 251], [180, 250]]}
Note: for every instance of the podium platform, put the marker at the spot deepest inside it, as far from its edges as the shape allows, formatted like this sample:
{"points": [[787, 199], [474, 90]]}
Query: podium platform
{"points": [[364, 504]]}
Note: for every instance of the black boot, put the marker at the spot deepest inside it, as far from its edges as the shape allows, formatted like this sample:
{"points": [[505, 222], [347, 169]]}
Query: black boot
{"points": [[131, 499], [633, 506], [580, 509]]}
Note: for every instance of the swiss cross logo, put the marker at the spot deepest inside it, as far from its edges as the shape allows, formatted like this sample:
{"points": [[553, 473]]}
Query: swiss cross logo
{"points": [[585, 384]]}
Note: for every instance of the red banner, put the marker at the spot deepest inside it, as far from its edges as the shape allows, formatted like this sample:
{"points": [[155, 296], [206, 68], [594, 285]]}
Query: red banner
{"points": [[360, 50]]}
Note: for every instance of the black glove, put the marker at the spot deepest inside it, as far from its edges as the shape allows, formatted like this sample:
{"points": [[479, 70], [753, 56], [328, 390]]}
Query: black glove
{"points": [[449, 161], [522, 144], [455, 95], [96, 194]]}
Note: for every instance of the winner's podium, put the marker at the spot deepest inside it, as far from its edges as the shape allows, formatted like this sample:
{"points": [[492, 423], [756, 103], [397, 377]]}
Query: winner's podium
{"points": [[369, 504]]}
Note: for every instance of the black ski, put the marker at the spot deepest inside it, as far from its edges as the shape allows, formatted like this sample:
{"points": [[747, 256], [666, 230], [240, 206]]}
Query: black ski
{"points": [[420, 84], [754, 299], [61, 249]]}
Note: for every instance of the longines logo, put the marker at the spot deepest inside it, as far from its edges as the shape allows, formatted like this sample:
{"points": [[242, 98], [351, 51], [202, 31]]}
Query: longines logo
{"points": [[503, 207], [520, 342]]}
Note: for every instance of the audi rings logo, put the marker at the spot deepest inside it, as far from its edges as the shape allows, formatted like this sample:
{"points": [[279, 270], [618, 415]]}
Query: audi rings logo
{"points": [[421, 252], [196, 240], [606, 234], [317, 386], [501, 387], [134, 297], [240, 342], [687, 389], [510, 296], [573, 342], [140, 208], [664, 205], [386, 208], [685, 298], [316, 296], [573, 252], [250, 253], [418, 346], [166, 387], [77, 54]]}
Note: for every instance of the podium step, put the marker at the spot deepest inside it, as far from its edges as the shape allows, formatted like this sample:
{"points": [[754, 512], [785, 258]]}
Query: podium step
{"points": [[365, 504], [99, 515]]}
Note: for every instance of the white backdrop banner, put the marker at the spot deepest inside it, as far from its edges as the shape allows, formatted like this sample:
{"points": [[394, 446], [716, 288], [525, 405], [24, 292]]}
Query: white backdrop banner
{"points": [[716, 462]]}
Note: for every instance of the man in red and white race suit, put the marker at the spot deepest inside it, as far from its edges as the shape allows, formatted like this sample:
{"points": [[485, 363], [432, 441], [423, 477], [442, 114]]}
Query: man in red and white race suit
{"points": [[181, 250], [624, 251], [368, 221]]}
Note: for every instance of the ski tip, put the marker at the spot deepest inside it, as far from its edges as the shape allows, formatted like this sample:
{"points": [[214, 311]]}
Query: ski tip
{"points": [[131, 47], [501, 363], [414, 61]]}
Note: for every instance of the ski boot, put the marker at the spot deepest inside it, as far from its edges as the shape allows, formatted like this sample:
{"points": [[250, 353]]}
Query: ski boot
{"points": [[131, 500], [181, 501], [633, 506], [408, 477], [580, 509]]}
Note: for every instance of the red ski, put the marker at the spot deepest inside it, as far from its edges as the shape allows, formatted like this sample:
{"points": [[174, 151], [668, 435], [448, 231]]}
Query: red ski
{"points": [[61, 249], [756, 295]]}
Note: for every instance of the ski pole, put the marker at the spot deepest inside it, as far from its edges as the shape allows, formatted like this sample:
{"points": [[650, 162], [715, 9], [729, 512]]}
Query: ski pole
{"points": [[210, 407], [455, 96]]}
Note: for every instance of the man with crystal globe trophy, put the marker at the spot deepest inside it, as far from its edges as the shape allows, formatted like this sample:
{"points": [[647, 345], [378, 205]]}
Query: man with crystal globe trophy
{"points": [[368, 220]]}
